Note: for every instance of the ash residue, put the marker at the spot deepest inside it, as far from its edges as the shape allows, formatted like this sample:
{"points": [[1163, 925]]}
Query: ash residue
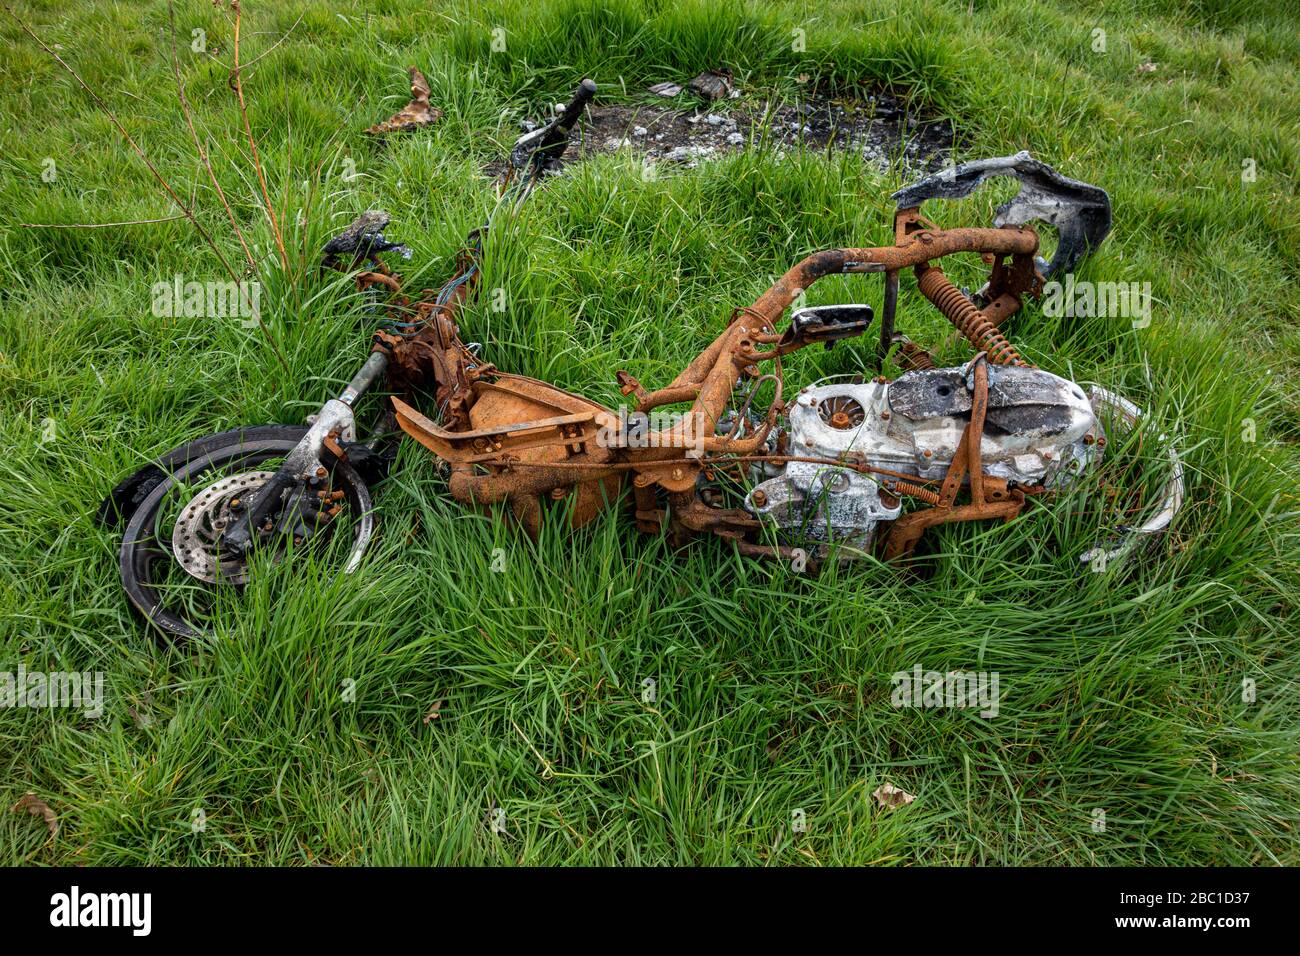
{"points": [[881, 129]]}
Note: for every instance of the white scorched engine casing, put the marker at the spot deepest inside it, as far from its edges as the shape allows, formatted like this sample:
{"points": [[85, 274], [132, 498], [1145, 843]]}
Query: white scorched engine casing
{"points": [[1040, 429]]}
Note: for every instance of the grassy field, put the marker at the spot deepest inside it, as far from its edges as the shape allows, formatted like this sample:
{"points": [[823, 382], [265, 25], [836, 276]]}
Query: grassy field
{"points": [[1122, 692]]}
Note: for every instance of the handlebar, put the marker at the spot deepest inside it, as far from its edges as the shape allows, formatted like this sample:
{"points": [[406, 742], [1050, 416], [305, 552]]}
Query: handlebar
{"points": [[542, 147], [573, 109]]}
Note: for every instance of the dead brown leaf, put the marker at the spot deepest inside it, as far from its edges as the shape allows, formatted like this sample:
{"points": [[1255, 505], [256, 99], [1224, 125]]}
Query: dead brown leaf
{"points": [[712, 84], [38, 808], [433, 711], [891, 797], [414, 114]]}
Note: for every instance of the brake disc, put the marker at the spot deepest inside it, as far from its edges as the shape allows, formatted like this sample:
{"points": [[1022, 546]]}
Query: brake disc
{"points": [[196, 539]]}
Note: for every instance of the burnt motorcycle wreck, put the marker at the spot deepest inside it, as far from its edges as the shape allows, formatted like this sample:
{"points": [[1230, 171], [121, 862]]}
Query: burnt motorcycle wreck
{"points": [[837, 469]]}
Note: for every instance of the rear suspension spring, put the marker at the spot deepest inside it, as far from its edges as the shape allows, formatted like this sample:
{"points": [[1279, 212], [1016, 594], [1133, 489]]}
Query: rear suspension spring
{"points": [[969, 320]]}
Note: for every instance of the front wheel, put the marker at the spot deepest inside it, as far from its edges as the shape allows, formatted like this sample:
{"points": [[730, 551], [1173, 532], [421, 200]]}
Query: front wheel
{"points": [[174, 567]]}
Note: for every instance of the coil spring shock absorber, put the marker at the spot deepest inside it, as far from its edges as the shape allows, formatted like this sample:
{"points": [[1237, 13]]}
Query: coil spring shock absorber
{"points": [[912, 358], [898, 487], [969, 320]]}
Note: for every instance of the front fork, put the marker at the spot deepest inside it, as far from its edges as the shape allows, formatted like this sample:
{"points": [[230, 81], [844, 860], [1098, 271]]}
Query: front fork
{"points": [[334, 422]]}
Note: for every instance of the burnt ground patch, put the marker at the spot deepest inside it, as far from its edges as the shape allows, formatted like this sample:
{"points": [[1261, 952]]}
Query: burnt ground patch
{"points": [[882, 129]]}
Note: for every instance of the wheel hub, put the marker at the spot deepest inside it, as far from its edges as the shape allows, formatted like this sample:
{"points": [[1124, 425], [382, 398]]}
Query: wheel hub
{"points": [[196, 539]]}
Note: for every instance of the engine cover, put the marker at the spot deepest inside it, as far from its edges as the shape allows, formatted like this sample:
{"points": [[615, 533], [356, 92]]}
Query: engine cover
{"points": [[1040, 429]]}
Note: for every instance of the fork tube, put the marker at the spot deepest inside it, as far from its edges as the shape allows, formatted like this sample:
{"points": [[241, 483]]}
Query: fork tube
{"points": [[371, 370]]}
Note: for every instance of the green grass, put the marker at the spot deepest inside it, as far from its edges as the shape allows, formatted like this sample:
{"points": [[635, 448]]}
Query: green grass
{"points": [[1121, 691]]}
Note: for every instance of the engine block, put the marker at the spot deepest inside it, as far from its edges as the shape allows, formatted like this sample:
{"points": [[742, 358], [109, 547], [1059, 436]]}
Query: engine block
{"points": [[1040, 430]]}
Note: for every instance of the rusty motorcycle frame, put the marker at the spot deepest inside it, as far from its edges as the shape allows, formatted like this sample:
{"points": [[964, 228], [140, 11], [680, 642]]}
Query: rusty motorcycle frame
{"points": [[514, 443]]}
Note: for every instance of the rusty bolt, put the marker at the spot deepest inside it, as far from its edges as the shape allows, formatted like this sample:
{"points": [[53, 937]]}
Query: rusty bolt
{"points": [[1101, 443], [1089, 439], [235, 504], [321, 472], [759, 498], [885, 415], [927, 453]]}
